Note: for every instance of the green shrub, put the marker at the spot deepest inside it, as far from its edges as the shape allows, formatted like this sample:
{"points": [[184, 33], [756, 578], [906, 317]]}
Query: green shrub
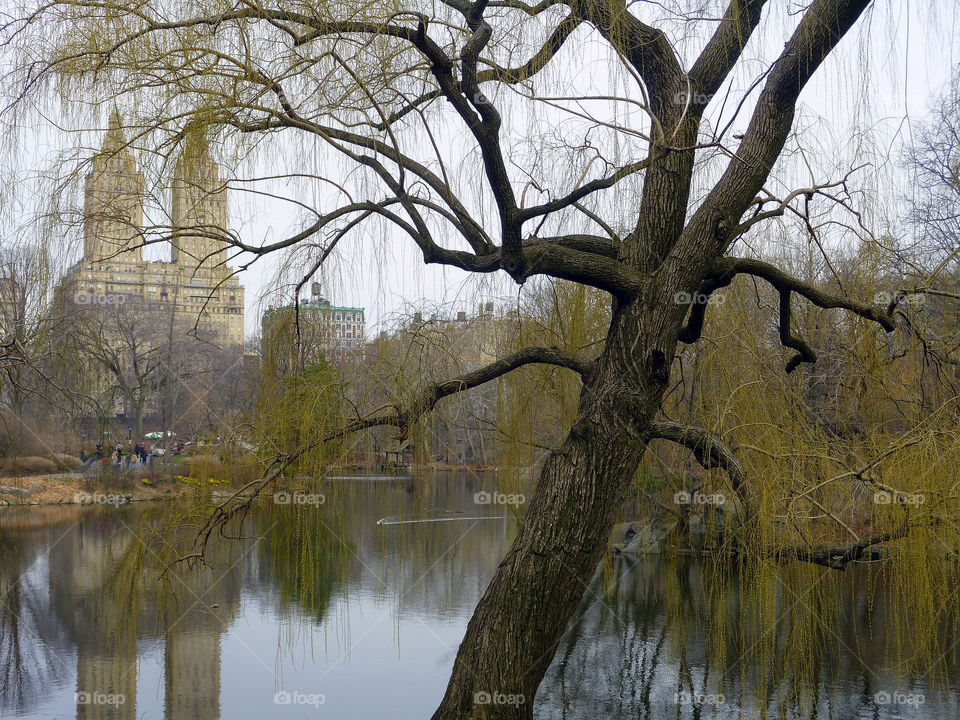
{"points": [[205, 467]]}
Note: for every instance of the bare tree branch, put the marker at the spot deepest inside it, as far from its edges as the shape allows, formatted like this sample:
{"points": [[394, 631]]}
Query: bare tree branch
{"points": [[728, 267], [837, 557], [723, 49], [711, 451], [823, 25], [725, 269]]}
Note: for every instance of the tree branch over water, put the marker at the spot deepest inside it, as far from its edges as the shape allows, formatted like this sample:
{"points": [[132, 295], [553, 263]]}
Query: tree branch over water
{"points": [[401, 417], [711, 452]]}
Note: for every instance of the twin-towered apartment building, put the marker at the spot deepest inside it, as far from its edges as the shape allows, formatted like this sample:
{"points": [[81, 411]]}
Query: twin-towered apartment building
{"points": [[195, 286]]}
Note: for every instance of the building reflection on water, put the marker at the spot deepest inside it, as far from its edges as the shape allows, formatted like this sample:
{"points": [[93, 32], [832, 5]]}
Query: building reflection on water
{"points": [[109, 601], [105, 613]]}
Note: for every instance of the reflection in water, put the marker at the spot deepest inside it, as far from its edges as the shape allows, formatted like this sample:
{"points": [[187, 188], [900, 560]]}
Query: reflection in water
{"points": [[319, 601], [30, 637], [691, 637]]}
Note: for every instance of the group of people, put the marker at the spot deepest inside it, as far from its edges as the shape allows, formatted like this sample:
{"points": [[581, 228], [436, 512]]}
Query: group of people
{"points": [[141, 454], [138, 456]]}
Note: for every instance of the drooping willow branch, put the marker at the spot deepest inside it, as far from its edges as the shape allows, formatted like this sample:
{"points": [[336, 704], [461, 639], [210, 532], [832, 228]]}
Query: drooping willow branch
{"points": [[711, 451]]}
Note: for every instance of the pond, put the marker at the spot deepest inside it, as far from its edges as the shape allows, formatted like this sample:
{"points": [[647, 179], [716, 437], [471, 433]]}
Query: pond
{"points": [[345, 603]]}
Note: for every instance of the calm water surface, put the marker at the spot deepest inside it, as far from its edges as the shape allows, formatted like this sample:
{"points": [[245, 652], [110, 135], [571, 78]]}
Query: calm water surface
{"points": [[319, 611]]}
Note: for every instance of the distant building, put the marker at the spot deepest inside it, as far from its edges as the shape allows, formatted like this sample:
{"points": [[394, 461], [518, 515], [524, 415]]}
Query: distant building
{"points": [[12, 305], [195, 285], [470, 340], [297, 335]]}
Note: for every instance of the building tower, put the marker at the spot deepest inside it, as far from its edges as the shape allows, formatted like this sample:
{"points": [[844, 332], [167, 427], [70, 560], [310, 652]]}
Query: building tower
{"points": [[195, 287], [199, 211], [192, 672], [113, 201]]}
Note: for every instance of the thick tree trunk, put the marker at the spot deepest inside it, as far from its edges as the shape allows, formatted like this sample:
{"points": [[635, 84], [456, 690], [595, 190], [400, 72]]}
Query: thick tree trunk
{"points": [[521, 618]]}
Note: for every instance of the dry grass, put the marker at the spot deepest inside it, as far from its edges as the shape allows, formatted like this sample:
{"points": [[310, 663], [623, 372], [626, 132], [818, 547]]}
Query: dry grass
{"points": [[28, 465]]}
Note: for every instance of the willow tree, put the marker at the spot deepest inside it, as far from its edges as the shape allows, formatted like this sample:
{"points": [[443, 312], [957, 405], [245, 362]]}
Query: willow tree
{"points": [[467, 129]]}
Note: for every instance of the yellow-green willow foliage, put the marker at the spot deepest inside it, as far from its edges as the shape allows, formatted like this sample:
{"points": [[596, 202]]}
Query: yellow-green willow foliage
{"points": [[303, 551], [301, 400], [537, 403], [817, 444], [863, 443]]}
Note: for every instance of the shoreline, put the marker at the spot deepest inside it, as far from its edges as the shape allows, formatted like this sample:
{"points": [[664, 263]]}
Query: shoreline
{"points": [[75, 488]]}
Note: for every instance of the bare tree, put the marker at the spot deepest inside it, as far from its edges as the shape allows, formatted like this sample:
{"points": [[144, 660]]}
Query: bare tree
{"points": [[143, 359], [26, 328], [420, 108], [126, 358], [935, 200]]}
